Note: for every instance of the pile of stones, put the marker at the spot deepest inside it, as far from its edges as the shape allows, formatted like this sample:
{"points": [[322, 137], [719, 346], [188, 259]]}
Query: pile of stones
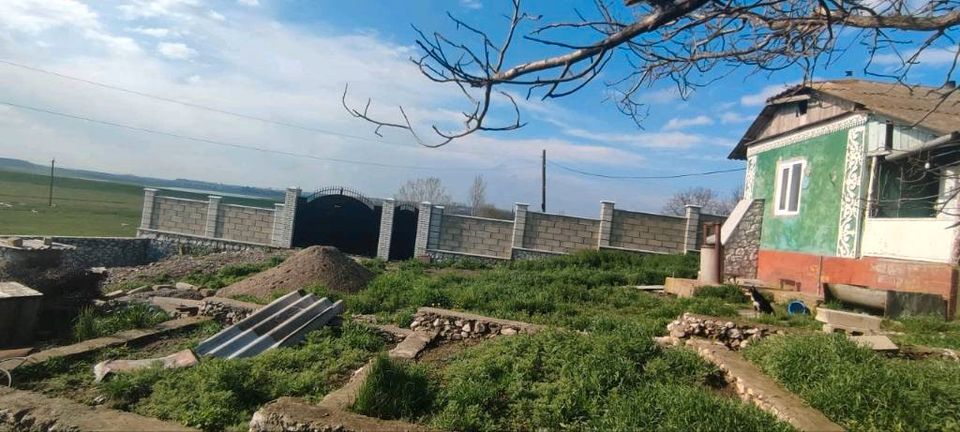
{"points": [[222, 312], [451, 328], [734, 336]]}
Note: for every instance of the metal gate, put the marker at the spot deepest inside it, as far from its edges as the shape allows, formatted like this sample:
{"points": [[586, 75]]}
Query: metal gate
{"points": [[404, 233], [338, 217]]}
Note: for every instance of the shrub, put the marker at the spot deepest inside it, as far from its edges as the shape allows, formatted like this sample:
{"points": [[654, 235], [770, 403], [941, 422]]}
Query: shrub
{"points": [[395, 389], [727, 293], [859, 389], [93, 322]]}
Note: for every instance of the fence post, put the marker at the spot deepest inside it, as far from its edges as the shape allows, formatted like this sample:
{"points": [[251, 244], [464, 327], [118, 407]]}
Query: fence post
{"points": [[423, 229], [519, 224], [283, 219], [690, 240], [606, 224], [213, 212], [386, 229], [146, 218]]}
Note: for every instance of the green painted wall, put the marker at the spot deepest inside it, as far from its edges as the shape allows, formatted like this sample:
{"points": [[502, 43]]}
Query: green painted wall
{"points": [[814, 229]]}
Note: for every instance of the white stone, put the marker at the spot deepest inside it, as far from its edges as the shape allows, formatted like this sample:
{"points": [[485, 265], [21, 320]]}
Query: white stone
{"points": [[508, 331]]}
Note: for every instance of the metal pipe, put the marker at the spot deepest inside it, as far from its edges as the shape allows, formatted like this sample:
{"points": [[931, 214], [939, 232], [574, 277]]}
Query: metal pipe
{"points": [[936, 142]]}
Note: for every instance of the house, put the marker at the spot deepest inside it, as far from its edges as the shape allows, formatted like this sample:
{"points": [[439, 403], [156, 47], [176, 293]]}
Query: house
{"points": [[851, 182]]}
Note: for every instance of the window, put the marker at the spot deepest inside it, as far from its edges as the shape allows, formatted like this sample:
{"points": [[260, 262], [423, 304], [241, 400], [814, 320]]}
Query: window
{"points": [[789, 180], [906, 188], [801, 108]]}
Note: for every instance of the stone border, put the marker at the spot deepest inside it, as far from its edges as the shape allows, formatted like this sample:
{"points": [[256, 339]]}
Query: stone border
{"points": [[454, 325], [756, 387]]}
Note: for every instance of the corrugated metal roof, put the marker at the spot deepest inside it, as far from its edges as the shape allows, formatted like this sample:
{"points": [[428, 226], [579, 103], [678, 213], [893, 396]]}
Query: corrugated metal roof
{"points": [[283, 322]]}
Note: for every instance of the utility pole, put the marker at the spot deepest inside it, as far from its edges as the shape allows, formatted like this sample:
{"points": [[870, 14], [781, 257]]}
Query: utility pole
{"points": [[543, 182], [52, 163]]}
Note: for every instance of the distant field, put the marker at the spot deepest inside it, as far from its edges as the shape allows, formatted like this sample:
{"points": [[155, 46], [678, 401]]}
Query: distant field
{"points": [[81, 207]]}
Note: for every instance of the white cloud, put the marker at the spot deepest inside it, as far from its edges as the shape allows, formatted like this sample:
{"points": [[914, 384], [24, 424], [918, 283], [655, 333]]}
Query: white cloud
{"points": [[760, 98], [650, 140], [683, 123], [249, 2], [152, 31], [35, 16], [933, 56], [471, 4], [216, 16], [732, 117], [138, 9], [176, 50], [660, 96]]}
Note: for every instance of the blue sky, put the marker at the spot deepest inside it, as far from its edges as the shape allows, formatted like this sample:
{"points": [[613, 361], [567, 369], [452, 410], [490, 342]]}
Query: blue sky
{"points": [[288, 60]]}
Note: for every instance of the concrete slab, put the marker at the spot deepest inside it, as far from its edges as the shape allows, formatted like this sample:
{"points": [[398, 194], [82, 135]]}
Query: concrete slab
{"points": [[24, 410], [19, 308], [848, 320], [650, 287], [117, 339], [412, 345], [173, 304], [754, 386], [875, 342], [681, 287]]}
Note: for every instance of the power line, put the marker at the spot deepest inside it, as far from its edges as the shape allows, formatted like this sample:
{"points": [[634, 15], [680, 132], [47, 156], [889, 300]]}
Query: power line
{"points": [[238, 146], [215, 109], [608, 176]]}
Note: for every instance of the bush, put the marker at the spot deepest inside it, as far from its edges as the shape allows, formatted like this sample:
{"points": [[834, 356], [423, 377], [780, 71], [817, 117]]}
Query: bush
{"points": [[859, 389], [93, 322], [727, 293], [395, 389]]}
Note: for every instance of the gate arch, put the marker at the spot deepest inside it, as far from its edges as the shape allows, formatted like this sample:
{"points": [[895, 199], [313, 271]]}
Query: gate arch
{"points": [[404, 233], [338, 217]]}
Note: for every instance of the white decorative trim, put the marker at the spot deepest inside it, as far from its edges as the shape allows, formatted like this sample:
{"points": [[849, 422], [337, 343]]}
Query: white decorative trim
{"points": [[851, 204], [750, 177], [803, 135]]}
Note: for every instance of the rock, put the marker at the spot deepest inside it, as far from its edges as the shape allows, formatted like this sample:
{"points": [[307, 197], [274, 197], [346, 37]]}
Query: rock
{"points": [[99, 400], [467, 328], [113, 294], [508, 331], [437, 322], [162, 287], [139, 290], [208, 292], [480, 328], [185, 286]]}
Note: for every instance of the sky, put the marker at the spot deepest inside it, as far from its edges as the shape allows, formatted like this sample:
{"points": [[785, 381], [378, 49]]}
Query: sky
{"points": [[289, 60]]}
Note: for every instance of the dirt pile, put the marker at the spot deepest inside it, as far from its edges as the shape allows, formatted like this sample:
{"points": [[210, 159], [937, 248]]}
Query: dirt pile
{"points": [[179, 266], [314, 265]]}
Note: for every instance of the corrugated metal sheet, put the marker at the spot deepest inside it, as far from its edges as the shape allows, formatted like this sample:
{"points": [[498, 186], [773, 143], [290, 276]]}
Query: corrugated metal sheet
{"points": [[282, 323]]}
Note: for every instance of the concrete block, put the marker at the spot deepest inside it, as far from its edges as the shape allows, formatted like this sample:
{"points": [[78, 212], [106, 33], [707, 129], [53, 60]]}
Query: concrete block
{"points": [[19, 308], [848, 320], [875, 342]]}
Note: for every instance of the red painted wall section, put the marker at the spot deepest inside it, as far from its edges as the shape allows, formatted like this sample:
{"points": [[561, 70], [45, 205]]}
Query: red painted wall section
{"points": [[811, 271]]}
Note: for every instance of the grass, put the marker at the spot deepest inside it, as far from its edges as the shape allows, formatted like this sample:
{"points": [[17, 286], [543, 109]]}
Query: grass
{"points": [[82, 207], [727, 293], [860, 389], [396, 389], [218, 393], [927, 330], [566, 380], [232, 273], [95, 322]]}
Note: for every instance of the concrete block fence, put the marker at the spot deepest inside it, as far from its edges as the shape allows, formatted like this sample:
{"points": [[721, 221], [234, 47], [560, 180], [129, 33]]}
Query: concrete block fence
{"points": [[211, 222], [440, 235], [534, 234]]}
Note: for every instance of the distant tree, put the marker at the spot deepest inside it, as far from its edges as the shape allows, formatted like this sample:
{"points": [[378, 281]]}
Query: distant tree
{"points": [[477, 195], [710, 201], [424, 189]]}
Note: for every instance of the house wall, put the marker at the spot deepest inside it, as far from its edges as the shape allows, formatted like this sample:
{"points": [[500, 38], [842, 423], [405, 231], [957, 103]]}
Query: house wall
{"points": [[810, 272], [922, 239], [822, 108], [556, 233], [477, 236], [646, 231], [814, 229]]}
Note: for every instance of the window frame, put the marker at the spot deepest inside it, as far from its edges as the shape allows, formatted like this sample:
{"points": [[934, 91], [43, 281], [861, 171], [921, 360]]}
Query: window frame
{"points": [[779, 197]]}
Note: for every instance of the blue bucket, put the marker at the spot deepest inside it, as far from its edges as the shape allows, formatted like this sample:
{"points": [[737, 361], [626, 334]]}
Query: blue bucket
{"points": [[797, 307]]}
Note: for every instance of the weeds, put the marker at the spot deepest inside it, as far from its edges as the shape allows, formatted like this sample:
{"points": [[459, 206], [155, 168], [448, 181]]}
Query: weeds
{"points": [[727, 293], [93, 322], [859, 389], [396, 389], [928, 330], [219, 393]]}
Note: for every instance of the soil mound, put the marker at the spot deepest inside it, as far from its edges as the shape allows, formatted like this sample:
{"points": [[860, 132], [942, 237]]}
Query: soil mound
{"points": [[317, 264]]}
